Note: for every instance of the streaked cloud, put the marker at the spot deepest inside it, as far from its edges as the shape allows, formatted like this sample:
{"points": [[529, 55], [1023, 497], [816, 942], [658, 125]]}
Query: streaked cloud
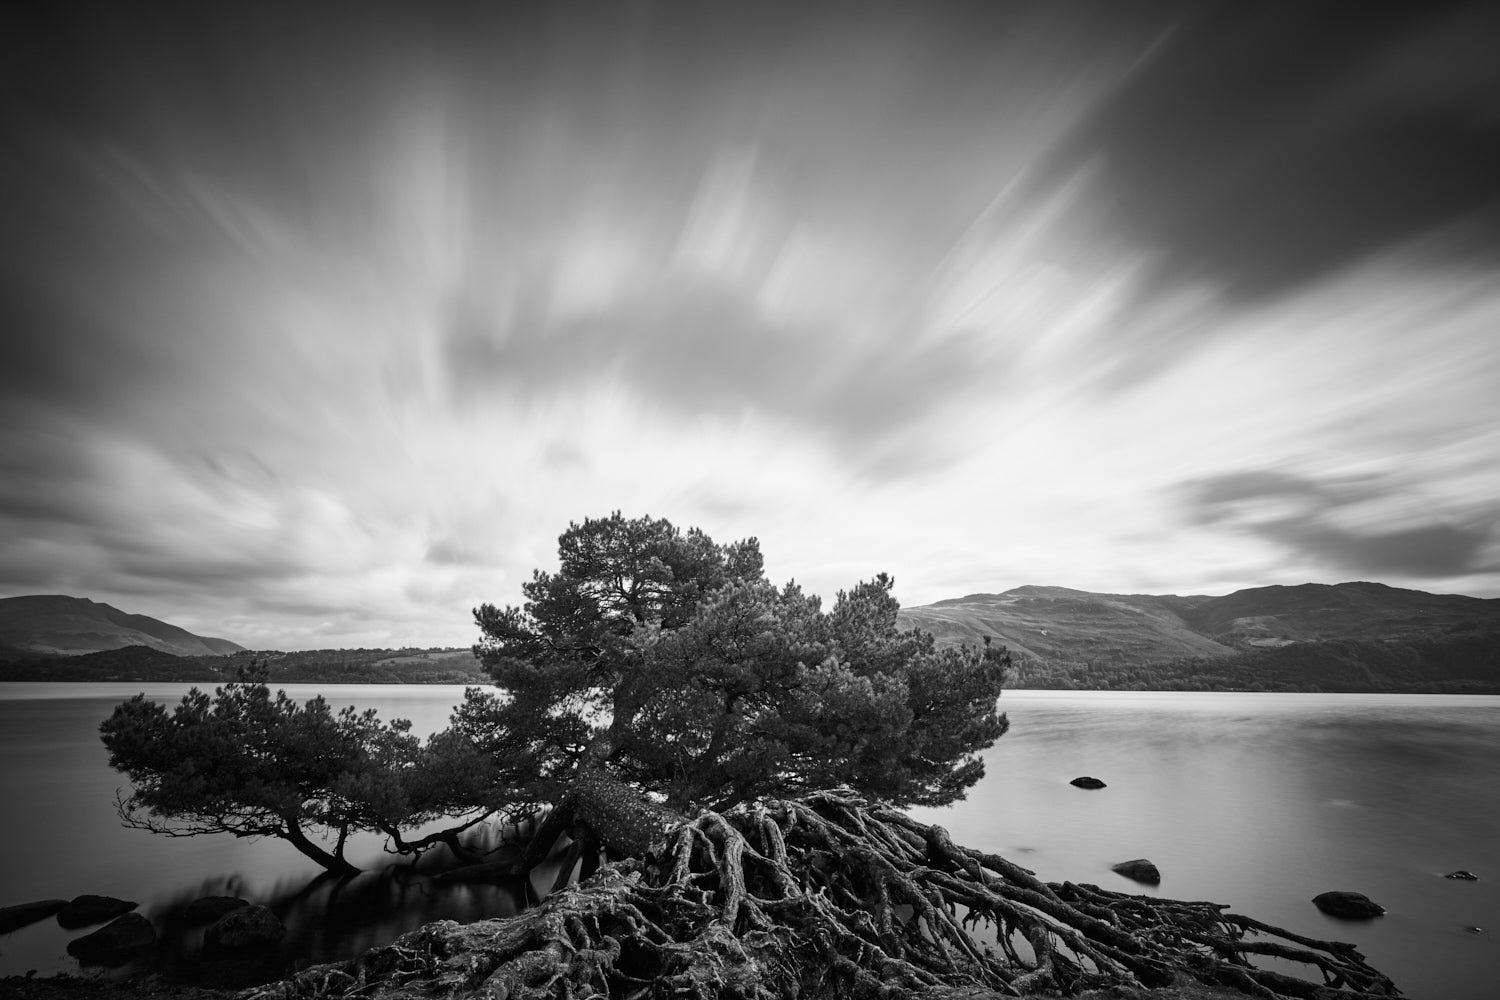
{"points": [[1369, 525], [1264, 147], [325, 329]]}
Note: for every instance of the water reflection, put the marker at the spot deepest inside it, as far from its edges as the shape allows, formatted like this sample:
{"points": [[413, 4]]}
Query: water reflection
{"points": [[55, 773], [327, 919]]}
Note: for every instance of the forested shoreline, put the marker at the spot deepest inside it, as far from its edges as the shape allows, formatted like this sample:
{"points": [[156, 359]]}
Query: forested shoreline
{"points": [[317, 666], [1455, 664], [1461, 664]]}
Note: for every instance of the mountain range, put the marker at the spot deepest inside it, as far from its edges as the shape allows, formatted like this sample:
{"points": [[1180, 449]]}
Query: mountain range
{"points": [[1312, 637], [1347, 637], [1058, 624], [56, 625]]}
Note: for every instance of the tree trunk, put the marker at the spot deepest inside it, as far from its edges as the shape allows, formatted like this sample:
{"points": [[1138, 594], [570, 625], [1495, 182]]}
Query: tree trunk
{"points": [[627, 823], [623, 821], [334, 863]]}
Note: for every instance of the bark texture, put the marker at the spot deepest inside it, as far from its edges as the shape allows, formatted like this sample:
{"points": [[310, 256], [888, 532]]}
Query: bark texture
{"points": [[829, 896]]}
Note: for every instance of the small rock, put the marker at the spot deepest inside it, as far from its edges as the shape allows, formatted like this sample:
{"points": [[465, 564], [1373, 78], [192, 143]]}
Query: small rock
{"points": [[1463, 876], [1140, 869], [115, 942], [210, 908], [245, 927], [14, 917], [1349, 905], [84, 910], [1087, 782]]}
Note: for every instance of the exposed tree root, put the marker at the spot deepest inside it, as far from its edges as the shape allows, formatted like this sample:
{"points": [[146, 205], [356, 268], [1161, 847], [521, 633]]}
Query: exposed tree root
{"points": [[827, 896]]}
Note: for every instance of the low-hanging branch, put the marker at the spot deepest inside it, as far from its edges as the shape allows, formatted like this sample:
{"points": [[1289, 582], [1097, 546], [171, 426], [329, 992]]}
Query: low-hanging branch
{"points": [[829, 895]]}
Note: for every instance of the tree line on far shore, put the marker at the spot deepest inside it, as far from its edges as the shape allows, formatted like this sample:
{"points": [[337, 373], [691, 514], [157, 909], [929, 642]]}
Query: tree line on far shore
{"points": [[438, 665], [1457, 664], [1453, 664]]}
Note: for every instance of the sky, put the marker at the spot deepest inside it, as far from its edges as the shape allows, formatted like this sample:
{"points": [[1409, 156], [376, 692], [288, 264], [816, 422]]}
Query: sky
{"points": [[321, 322]]}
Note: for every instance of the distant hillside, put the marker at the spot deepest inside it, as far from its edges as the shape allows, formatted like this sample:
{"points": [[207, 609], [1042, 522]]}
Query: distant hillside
{"points": [[446, 665], [55, 625], [1055, 623], [1313, 637], [1265, 616]]}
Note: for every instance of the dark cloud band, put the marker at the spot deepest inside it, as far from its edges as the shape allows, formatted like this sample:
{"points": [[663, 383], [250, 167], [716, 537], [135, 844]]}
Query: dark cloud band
{"points": [[1294, 513], [1263, 146]]}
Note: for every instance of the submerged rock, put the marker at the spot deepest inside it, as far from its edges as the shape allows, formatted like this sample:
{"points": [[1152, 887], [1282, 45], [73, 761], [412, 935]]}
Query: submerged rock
{"points": [[1087, 782], [1349, 905], [1463, 876], [14, 917], [88, 909], [1140, 869], [210, 908], [115, 942], [248, 926]]}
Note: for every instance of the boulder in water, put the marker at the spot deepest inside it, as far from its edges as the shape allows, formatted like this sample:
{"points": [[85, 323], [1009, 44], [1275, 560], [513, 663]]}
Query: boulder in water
{"points": [[208, 909], [1087, 782], [1140, 869], [249, 926], [1348, 905], [84, 910], [15, 917], [115, 942]]}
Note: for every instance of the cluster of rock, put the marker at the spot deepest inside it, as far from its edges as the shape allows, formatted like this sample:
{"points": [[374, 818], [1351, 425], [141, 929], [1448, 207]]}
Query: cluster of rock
{"points": [[1337, 903], [126, 934], [233, 924], [1139, 869]]}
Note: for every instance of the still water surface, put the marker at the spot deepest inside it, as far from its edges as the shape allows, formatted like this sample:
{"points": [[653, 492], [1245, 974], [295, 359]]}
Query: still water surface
{"points": [[1260, 801]]}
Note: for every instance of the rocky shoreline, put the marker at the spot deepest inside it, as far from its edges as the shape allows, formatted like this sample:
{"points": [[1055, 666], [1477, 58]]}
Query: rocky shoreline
{"points": [[98, 988], [157, 988]]}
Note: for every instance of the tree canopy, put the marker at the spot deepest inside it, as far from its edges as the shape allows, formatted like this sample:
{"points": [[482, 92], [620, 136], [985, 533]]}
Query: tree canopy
{"points": [[672, 663], [653, 660]]}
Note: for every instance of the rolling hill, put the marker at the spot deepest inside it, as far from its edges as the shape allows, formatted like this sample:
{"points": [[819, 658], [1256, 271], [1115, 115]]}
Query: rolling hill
{"points": [[56, 625], [1333, 637], [1055, 623], [1269, 616]]}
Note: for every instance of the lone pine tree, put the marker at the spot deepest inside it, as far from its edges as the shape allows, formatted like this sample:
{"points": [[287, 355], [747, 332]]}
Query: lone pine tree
{"points": [[741, 754]]}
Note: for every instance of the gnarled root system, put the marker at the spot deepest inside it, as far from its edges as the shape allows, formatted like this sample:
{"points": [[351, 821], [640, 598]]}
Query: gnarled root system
{"points": [[828, 896]]}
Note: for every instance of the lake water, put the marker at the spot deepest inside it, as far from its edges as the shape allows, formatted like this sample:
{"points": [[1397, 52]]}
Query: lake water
{"points": [[1260, 801]]}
